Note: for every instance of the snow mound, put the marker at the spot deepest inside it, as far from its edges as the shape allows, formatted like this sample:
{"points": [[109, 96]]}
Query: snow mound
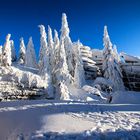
{"points": [[95, 94]]}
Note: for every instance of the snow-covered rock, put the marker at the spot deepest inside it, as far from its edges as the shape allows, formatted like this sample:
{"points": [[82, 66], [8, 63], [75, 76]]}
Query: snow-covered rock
{"points": [[91, 70], [19, 83], [129, 58], [131, 76]]}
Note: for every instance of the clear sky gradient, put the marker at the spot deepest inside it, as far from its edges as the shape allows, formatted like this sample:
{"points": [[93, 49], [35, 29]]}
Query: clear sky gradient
{"points": [[86, 20]]}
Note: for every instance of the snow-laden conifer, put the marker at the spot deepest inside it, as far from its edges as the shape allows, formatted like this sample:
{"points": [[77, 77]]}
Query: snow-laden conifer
{"points": [[22, 52], [6, 53], [67, 43], [51, 49], [30, 57], [44, 62], [56, 47], [43, 49], [61, 70], [79, 73], [13, 51], [111, 67]]}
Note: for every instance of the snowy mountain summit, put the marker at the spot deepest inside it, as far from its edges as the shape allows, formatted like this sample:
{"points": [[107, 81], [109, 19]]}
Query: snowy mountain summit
{"points": [[65, 68]]}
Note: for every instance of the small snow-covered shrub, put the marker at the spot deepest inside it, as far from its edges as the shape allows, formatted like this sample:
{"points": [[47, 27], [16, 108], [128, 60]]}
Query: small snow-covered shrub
{"points": [[102, 84]]}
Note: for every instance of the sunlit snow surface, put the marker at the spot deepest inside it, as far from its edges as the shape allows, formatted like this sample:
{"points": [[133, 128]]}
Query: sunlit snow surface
{"points": [[58, 120]]}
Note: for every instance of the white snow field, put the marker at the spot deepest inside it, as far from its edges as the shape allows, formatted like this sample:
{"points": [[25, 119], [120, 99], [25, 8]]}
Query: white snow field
{"points": [[59, 120]]}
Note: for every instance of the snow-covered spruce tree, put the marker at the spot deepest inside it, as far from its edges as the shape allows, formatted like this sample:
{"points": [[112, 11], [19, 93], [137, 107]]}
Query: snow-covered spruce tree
{"points": [[30, 57], [111, 68], [22, 52], [44, 65], [61, 70], [79, 74], [13, 51], [67, 43], [6, 52], [56, 47], [51, 49], [43, 50]]}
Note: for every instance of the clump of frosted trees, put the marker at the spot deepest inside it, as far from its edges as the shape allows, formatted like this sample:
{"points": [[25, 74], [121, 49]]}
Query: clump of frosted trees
{"points": [[60, 63], [60, 60]]}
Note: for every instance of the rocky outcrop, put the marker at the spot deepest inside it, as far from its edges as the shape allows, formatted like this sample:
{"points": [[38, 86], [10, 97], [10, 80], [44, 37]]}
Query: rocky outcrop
{"points": [[91, 70], [131, 75], [131, 71], [15, 84], [97, 56], [14, 91]]}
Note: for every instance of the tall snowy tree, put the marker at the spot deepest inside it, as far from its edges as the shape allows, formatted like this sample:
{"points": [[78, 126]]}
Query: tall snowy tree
{"points": [[111, 67], [56, 47], [30, 57], [6, 52], [43, 53], [22, 52], [51, 48], [44, 65], [79, 74], [62, 75], [61, 70], [13, 51], [67, 43]]}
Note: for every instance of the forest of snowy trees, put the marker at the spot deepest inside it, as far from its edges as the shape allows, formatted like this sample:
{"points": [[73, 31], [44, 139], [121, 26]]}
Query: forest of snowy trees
{"points": [[60, 61]]}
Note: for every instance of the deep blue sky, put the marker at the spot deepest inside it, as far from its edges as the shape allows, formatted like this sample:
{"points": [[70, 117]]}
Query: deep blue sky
{"points": [[86, 20]]}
